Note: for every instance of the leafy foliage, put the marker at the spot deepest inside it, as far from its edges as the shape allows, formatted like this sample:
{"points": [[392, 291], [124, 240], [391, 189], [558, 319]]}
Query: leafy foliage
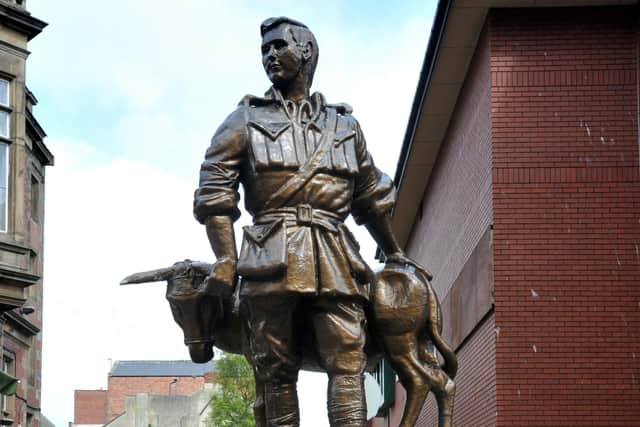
{"points": [[232, 404]]}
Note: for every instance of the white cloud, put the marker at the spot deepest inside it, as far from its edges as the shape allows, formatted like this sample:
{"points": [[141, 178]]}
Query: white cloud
{"points": [[104, 223]]}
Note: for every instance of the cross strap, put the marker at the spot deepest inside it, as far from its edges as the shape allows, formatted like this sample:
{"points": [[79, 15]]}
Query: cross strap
{"points": [[309, 169]]}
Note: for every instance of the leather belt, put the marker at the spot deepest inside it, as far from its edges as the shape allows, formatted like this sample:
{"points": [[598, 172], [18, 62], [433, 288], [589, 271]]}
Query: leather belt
{"points": [[302, 215]]}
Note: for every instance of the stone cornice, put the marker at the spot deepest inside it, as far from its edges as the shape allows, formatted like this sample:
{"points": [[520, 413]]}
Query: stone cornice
{"points": [[21, 20], [13, 50], [16, 248], [18, 278], [22, 323], [8, 303]]}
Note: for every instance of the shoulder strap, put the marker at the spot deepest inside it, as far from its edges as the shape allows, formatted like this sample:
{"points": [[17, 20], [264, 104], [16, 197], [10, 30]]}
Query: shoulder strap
{"points": [[306, 171]]}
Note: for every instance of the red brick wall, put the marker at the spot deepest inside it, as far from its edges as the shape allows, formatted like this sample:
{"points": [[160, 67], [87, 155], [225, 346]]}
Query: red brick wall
{"points": [[121, 387], [90, 407], [456, 209], [26, 359], [566, 200]]}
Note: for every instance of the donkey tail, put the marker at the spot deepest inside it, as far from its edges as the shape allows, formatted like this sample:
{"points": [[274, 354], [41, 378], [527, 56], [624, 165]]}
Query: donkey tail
{"points": [[434, 329]]}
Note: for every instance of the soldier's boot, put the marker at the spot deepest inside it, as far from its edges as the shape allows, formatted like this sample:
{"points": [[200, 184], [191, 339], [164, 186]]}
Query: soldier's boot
{"points": [[281, 404], [346, 402]]}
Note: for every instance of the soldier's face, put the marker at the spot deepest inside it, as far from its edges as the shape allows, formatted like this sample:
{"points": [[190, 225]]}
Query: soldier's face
{"points": [[282, 58]]}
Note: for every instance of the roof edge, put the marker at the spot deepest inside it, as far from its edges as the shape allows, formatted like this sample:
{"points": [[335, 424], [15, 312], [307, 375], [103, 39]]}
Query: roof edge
{"points": [[435, 37], [437, 30]]}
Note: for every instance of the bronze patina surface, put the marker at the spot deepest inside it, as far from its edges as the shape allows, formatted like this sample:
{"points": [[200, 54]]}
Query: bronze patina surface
{"points": [[299, 295]]}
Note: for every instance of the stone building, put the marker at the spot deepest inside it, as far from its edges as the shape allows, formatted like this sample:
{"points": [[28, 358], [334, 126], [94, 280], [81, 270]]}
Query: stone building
{"points": [[23, 158], [144, 409], [519, 187], [131, 380]]}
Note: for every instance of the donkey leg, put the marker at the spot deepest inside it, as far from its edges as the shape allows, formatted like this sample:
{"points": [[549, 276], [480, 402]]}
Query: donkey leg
{"points": [[444, 397], [402, 352], [412, 379]]}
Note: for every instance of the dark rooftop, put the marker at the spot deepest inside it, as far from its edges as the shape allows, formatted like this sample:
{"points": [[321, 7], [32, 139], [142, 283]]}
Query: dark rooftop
{"points": [[160, 368]]}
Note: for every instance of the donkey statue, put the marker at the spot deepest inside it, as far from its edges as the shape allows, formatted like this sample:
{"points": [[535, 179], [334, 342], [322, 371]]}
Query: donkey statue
{"points": [[405, 326]]}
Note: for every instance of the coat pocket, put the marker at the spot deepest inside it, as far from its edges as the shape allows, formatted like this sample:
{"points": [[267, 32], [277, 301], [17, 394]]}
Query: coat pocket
{"points": [[264, 251], [272, 145]]}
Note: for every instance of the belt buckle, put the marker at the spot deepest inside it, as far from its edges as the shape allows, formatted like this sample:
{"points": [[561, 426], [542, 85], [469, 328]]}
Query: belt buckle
{"points": [[304, 215]]}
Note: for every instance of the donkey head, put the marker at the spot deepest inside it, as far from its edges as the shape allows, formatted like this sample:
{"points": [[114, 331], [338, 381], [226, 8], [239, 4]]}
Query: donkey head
{"points": [[195, 311]]}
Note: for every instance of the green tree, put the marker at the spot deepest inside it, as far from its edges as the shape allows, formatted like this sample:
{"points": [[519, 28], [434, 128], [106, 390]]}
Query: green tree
{"points": [[232, 404]]}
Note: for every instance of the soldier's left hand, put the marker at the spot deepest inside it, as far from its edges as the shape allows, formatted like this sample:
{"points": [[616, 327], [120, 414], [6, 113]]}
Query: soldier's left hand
{"points": [[401, 258]]}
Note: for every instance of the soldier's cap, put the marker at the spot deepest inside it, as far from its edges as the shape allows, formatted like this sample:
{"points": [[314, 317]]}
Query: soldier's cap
{"points": [[270, 23]]}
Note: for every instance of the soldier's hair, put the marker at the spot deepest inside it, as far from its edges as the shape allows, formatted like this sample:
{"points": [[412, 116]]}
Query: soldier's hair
{"points": [[300, 33]]}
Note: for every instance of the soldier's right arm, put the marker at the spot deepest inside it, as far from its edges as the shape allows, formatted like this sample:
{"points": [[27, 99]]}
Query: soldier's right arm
{"points": [[216, 199]]}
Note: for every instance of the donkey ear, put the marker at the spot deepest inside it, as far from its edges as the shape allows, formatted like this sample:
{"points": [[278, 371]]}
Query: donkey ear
{"points": [[158, 275]]}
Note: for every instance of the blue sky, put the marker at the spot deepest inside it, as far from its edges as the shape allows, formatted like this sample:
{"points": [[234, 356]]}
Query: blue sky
{"points": [[130, 94]]}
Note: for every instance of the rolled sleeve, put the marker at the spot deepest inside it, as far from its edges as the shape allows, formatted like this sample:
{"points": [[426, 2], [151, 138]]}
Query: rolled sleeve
{"points": [[217, 193], [374, 193]]}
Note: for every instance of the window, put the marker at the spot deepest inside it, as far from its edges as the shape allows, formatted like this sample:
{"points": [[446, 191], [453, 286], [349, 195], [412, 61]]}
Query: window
{"points": [[31, 375], [35, 199], [4, 186], [5, 109], [8, 366], [5, 132], [4, 92]]}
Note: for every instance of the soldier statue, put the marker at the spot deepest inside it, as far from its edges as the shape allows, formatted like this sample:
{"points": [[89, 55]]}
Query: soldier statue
{"points": [[299, 295], [304, 167]]}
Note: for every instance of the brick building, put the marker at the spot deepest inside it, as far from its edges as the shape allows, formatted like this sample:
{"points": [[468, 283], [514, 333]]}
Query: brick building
{"points": [[519, 187], [23, 158], [90, 408], [131, 377]]}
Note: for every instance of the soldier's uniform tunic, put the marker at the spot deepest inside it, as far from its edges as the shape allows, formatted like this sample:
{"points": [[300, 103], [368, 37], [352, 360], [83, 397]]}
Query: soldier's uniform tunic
{"points": [[261, 145]]}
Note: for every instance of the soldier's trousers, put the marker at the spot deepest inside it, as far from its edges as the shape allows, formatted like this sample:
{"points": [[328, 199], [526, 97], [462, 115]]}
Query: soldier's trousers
{"points": [[336, 327]]}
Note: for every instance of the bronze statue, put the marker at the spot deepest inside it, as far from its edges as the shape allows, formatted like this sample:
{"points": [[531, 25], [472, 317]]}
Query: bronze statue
{"points": [[305, 297], [405, 317]]}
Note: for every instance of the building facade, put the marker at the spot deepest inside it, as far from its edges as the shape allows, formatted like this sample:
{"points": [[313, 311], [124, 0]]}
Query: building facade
{"points": [[144, 409], [23, 158], [89, 408], [519, 187], [130, 380]]}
